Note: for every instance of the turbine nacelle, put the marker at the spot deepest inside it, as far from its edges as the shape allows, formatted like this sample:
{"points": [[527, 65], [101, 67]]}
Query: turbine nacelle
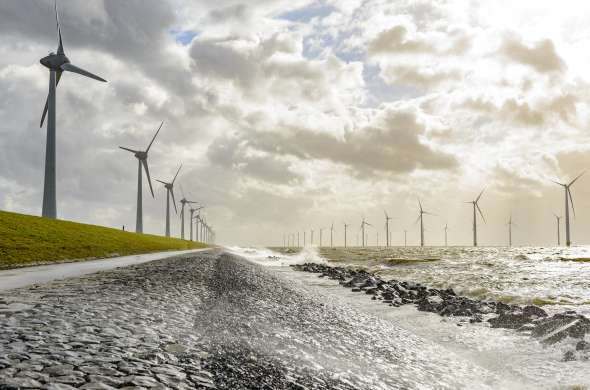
{"points": [[55, 61]]}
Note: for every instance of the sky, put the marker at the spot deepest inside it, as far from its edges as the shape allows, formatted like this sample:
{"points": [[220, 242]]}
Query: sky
{"points": [[293, 115]]}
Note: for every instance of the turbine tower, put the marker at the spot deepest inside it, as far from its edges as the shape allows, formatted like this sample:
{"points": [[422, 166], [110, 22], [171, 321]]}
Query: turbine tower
{"points": [[510, 224], [170, 192], [345, 230], [446, 234], [475, 210], [183, 203], [142, 157], [363, 224], [387, 219], [421, 219], [568, 197], [332, 235], [57, 64], [558, 218], [192, 211]]}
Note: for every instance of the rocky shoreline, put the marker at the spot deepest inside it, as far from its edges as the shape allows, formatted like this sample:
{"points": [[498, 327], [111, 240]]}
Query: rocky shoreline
{"points": [[209, 321], [530, 319]]}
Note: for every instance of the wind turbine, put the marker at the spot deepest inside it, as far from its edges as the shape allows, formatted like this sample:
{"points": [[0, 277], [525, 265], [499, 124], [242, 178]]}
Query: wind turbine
{"points": [[558, 232], [332, 235], [387, 218], [170, 191], [476, 207], [405, 238], [57, 64], [345, 230], [446, 234], [421, 219], [142, 157], [192, 211], [510, 224], [183, 202], [363, 224], [568, 194]]}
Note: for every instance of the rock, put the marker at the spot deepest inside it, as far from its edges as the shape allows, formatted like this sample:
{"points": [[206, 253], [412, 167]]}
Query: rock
{"points": [[21, 383], [533, 311], [96, 386], [583, 346], [509, 320], [569, 356]]}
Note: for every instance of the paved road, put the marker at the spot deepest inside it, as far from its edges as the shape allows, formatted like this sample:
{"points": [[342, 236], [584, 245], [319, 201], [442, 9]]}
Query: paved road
{"points": [[209, 320], [26, 276]]}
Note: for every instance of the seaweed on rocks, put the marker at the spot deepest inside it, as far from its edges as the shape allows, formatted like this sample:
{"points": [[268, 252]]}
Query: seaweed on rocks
{"points": [[529, 319]]}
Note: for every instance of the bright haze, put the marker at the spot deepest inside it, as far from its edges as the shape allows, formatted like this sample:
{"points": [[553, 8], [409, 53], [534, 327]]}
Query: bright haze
{"points": [[289, 115]]}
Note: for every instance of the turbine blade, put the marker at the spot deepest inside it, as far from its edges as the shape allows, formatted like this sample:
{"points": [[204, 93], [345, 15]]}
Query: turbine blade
{"points": [[57, 78], [163, 182], [558, 183], [417, 219], [480, 194], [480, 213], [74, 69], [420, 204], [153, 139], [147, 173], [173, 200], [60, 47], [127, 149], [177, 172], [182, 191], [573, 181], [571, 200]]}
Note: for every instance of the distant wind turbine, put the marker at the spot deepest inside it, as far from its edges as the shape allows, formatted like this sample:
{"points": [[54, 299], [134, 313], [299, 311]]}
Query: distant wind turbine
{"points": [[557, 219], [475, 210], [170, 192], [568, 197], [405, 238], [332, 235], [446, 234], [57, 64], [345, 231], [421, 219], [183, 203], [142, 157], [510, 224], [193, 211], [363, 224], [387, 219]]}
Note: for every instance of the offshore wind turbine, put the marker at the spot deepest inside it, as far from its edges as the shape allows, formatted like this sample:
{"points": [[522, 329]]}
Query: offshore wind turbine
{"points": [[332, 235], [421, 219], [446, 229], [142, 157], [510, 224], [387, 219], [363, 224], [475, 210], [568, 194], [170, 192], [345, 230], [558, 232], [183, 203], [57, 64]]}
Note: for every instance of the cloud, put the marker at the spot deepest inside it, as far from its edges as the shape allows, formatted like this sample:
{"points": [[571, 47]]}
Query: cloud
{"points": [[396, 40], [540, 56]]}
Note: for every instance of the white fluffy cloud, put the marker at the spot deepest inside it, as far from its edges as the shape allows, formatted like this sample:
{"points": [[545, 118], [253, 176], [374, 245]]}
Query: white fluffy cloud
{"points": [[289, 115]]}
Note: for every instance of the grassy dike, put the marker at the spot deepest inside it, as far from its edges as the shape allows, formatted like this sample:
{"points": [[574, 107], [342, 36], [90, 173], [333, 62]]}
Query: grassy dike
{"points": [[28, 240]]}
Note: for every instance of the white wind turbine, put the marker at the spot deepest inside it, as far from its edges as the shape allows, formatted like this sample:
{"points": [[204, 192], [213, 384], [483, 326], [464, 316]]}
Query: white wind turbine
{"points": [[557, 219], [446, 229], [57, 64], [421, 219], [475, 210], [568, 197], [170, 192], [332, 235], [142, 157], [387, 219], [363, 224], [183, 203], [345, 231]]}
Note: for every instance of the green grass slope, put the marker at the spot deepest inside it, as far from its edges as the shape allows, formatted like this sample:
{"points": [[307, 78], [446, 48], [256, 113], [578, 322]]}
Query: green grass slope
{"points": [[29, 240]]}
